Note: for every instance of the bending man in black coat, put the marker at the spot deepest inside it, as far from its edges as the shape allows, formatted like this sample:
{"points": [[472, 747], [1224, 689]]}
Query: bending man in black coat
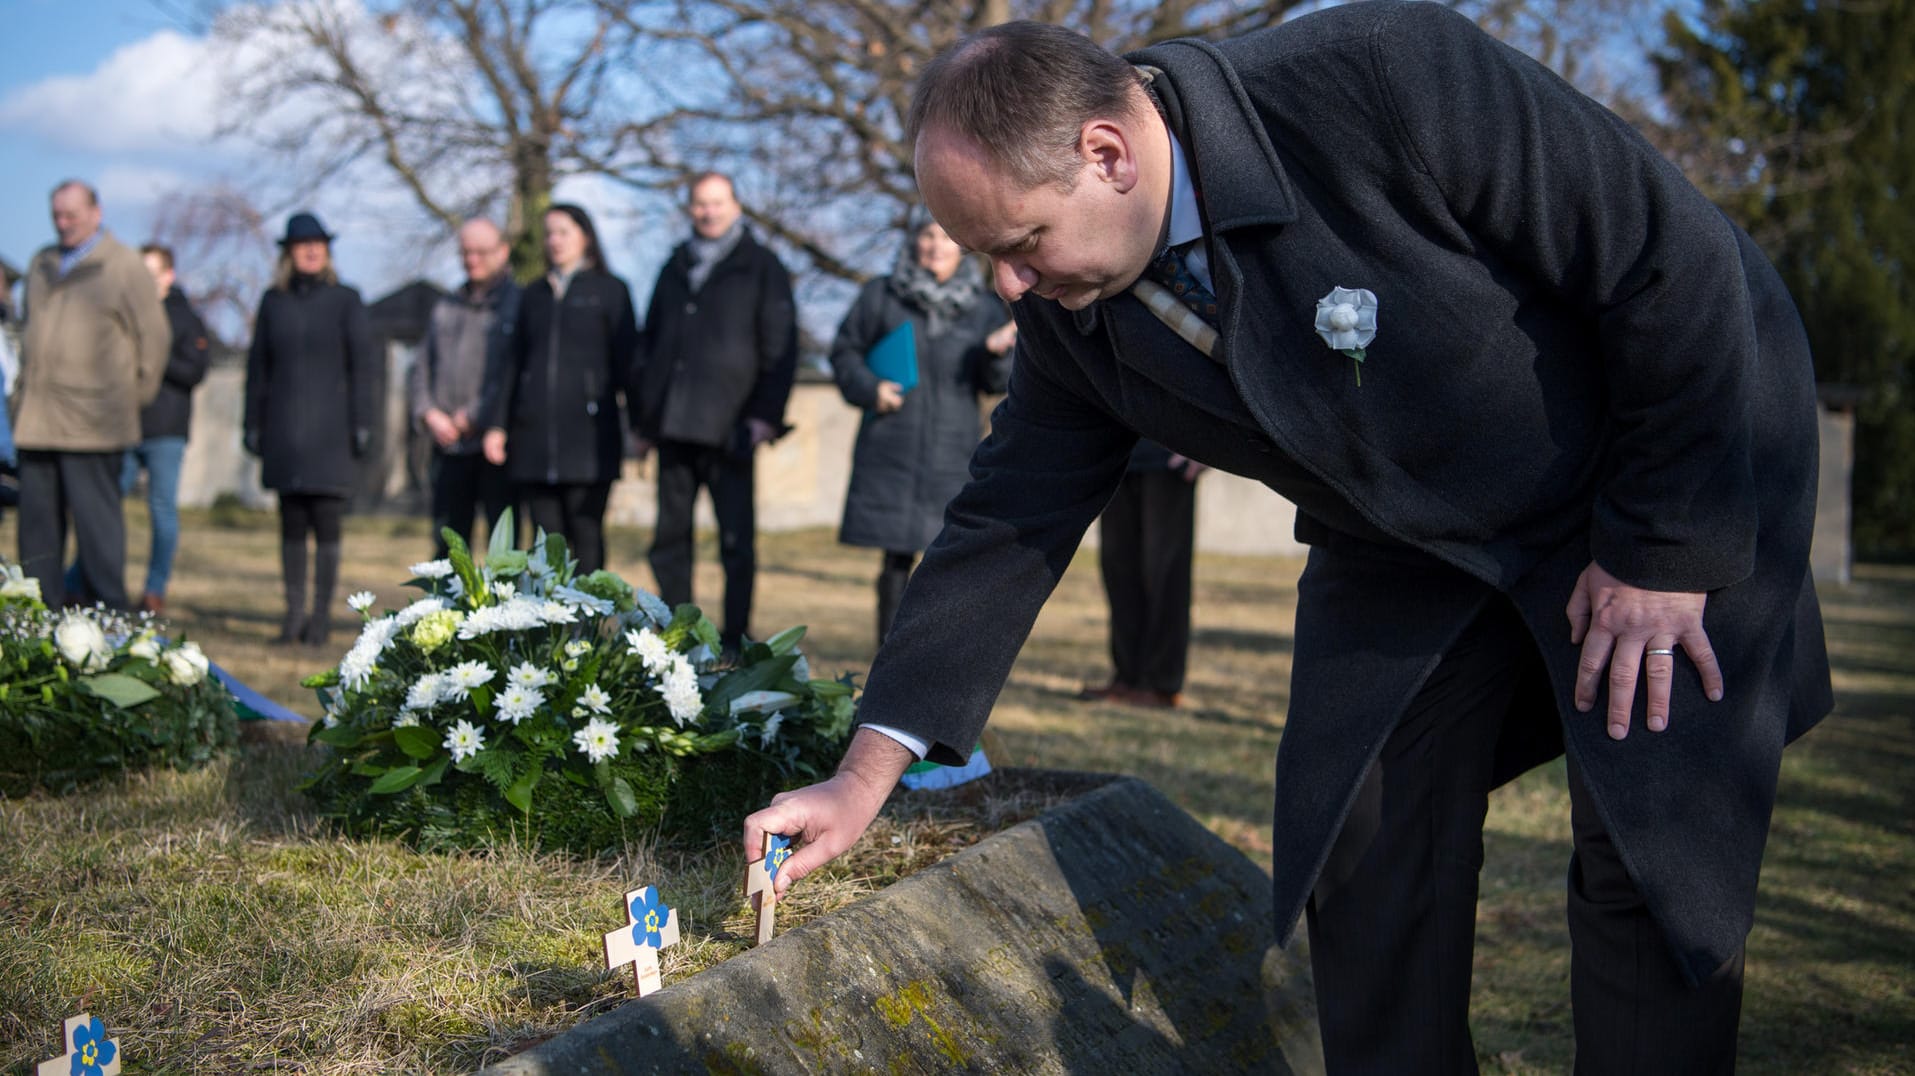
{"points": [[716, 361], [1552, 442]]}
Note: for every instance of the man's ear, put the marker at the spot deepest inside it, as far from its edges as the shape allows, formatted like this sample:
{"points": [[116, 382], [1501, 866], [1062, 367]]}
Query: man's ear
{"points": [[1107, 149]]}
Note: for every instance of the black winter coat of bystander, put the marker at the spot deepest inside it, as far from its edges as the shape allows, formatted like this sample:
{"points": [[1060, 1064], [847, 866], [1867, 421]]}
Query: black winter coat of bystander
{"points": [[557, 394], [309, 387]]}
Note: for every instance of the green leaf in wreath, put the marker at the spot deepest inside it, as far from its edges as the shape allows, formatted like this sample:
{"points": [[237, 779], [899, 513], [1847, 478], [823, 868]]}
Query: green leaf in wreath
{"points": [[623, 800], [503, 532], [506, 564], [750, 678], [435, 772], [416, 741], [119, 689], [397, 779], [786, 641], [338, 736], [519, 794]]}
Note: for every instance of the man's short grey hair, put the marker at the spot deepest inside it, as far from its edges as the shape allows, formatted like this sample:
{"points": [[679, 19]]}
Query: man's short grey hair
{"points": [[92, 196], [1021, 92]]}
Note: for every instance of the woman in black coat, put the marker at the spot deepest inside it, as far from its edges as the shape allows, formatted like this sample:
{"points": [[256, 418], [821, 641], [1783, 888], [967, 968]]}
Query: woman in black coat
{"points": [[309, 414], [553, 414], [914, 446]]}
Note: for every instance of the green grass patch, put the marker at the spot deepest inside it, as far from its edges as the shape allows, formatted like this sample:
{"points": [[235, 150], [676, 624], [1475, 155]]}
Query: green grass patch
{"points": [[216, 926]]}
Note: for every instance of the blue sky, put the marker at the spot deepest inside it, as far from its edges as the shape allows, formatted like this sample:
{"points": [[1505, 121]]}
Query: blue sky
{"points": [[43, 39], [120, 94]]}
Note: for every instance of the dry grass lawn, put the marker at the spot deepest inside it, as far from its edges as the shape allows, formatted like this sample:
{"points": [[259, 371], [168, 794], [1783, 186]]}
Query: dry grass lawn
{"points": [[215, 926]]}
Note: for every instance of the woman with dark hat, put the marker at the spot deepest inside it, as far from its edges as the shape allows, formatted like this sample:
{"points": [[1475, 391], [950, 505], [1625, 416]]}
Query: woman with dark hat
{"points": [[552, 417], [914, 447], [309, 414]]}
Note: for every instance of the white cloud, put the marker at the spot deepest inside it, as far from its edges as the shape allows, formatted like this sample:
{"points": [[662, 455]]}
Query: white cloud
{"points": [[129, 193], [159, 93]]}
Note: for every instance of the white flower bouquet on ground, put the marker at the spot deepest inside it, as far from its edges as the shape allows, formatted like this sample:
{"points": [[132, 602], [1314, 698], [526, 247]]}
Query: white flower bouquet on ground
{"points": [[87, 693], [514, 697]]}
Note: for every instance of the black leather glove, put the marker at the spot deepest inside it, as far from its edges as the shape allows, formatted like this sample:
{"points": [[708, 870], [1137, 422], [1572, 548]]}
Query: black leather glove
{"points": [[361, 440], [250, 441]]}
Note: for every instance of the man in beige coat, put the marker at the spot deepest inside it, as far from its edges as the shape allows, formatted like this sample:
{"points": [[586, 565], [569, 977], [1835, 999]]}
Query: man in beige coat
{"points": [[95, 347]]}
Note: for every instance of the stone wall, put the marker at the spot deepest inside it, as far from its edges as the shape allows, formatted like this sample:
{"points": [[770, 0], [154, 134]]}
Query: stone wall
{"points": [[802, 478]]}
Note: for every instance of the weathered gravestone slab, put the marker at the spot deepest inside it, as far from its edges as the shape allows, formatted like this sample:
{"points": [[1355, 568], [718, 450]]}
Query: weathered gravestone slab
{"points": [[1112, 935]]}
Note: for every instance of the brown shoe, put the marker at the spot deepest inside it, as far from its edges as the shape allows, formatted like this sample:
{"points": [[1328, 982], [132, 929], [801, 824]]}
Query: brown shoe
{"points": [[1114, 691], [153, 603], [1153, 700]]}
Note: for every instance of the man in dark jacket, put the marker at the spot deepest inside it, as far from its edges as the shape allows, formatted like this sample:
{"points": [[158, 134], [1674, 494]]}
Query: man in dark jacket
{"points": [[165, 425], [716, 361], [1585, 413], [464, 346]]}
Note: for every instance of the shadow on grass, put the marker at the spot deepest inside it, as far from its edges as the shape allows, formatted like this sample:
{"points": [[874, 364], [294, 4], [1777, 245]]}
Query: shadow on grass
{"points": [[1255, 642]]}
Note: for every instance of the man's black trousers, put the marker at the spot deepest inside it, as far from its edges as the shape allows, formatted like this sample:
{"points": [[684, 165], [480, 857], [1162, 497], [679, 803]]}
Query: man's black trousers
{"points": [[1393, 919], [83, 486], [1146, 538], [728, 476], [462, 485]]}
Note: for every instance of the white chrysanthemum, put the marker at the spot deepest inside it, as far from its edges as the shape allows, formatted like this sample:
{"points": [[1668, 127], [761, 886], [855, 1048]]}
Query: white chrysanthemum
{"points": [[82, 643], [598, 739], [518, 702], [425, 692], [185, 664], [361, 601], [464, 740], [458, 681], [432, 569], [595, 699], [419, 610], [577, 648], [650, 649], [515, 614], [555, 612], [653, 607], [679, 688], [505, 591], [356, 667], [526, 674], [406, 719]]}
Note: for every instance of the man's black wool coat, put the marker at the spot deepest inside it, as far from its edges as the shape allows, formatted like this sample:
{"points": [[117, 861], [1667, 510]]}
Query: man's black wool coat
{"points": [[1577, 356], [712, 357]]}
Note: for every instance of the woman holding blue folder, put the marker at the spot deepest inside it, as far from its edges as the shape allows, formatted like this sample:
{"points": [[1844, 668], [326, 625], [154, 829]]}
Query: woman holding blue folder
{"points": [[915, 352]]}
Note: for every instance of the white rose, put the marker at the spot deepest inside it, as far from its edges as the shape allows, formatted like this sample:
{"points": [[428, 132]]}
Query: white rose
{"points": [[17, 585], [186, 665], [146, 648], [1346, 318], [82, 643]]}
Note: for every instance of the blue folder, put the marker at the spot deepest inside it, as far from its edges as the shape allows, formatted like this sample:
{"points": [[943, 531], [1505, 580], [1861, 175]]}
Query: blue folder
{"points": [[895, 358]]}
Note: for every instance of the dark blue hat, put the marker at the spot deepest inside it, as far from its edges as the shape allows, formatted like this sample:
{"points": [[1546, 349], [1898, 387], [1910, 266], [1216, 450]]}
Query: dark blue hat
{"points": [[303, 226]]}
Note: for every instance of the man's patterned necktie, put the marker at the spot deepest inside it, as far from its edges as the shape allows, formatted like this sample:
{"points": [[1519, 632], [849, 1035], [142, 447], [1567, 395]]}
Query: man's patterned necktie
{"points": [[1169, 270]]}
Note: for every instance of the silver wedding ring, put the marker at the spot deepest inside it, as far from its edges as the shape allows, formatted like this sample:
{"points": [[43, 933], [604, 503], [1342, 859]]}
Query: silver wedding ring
{"points": [[1660, 652]]}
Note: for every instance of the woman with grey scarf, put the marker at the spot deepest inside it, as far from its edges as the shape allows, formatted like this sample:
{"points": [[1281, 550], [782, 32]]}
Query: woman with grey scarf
{"points": [[915, 445]]}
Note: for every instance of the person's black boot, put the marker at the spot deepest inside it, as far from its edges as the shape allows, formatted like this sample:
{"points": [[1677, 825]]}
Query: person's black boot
{"points": [[292, 571], [325, 580]]}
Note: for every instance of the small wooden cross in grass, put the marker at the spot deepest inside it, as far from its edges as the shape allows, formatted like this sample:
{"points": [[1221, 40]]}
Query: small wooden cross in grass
{"points": [[88, 1051], [759, 876], [650, 926]]}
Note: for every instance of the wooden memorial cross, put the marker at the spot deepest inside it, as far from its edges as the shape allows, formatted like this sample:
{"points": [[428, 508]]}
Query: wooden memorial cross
{"points": [[650, 926], [759, 876], [88, 1051]]}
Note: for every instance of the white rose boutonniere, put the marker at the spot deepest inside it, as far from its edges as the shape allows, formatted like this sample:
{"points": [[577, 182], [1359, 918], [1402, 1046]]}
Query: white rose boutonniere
{"points": [[1346, 319]]}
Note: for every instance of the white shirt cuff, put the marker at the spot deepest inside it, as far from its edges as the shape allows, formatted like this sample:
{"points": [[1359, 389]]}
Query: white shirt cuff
{"points": [[916, 746]]}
